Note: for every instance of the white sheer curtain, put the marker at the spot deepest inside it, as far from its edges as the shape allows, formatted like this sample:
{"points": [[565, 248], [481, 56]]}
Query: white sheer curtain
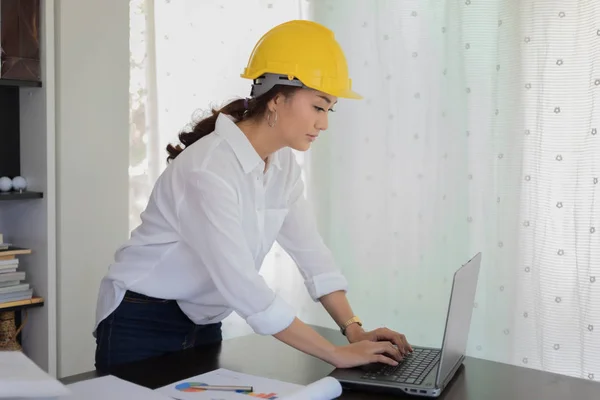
{"points": [[558, 298], [478, 132]]}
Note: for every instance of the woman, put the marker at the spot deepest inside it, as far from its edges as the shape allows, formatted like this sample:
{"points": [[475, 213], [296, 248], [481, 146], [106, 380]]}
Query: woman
{"points": [[219, 206]]}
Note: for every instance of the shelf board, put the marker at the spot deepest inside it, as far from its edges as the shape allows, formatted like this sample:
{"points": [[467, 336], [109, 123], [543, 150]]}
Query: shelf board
{"points": [[14, 251], [20, 195], [19, 83], [21, 304]]}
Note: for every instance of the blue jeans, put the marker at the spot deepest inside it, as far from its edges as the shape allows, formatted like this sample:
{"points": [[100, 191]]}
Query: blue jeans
{"points": [[142, 327]]}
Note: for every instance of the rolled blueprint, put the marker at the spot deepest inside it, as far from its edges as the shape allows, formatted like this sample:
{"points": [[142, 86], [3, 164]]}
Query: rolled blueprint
{"points": [[327, 388]]}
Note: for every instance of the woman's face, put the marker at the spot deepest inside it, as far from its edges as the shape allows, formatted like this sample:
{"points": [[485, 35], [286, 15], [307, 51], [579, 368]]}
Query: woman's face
{"points": [[301, 117]]}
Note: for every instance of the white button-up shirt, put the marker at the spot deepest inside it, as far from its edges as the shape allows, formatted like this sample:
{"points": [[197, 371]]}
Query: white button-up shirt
{"points": [[211, 219]]}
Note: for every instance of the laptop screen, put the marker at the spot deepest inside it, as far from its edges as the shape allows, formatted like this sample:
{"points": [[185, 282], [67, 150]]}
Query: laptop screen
{"points": [[458, 322]]}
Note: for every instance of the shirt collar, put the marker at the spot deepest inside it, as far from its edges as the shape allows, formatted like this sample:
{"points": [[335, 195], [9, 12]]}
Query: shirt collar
{"points": [[245, 153]]}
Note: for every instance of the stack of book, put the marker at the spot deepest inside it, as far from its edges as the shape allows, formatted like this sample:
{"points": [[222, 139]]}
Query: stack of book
{"points": [[12, 281]]}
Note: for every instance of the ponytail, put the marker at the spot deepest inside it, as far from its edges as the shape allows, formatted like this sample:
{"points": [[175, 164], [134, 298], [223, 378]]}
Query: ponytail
{"points": [[206, 126], [240, 109]]}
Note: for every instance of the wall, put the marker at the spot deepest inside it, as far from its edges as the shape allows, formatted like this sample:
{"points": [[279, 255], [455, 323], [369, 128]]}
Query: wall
{"points": [[92, 81]]}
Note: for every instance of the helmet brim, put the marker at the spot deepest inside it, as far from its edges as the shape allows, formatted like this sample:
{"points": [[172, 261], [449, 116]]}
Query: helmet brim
{"points": [[348, 94]]}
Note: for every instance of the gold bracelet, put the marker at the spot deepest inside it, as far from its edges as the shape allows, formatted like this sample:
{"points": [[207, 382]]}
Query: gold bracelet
{"points": [[353, 320]]}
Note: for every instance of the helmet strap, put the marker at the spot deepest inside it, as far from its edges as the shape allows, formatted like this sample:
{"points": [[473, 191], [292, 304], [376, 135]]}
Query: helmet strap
{"points": [[267, 81]]}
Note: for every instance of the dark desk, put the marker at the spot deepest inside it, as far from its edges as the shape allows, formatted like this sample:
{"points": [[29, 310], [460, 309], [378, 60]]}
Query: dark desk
{"points": [[266, 356]]}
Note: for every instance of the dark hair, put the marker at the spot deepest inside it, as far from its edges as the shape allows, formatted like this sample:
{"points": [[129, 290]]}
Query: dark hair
{"points": [[257, 107]]}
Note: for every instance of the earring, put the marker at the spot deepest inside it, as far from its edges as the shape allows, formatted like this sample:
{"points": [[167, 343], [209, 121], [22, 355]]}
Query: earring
{"points": [[272, 124]]}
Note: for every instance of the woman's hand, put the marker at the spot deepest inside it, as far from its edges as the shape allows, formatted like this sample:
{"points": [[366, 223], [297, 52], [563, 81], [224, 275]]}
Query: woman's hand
{"points": [[357, 334], [304, 338], [365, 352]]}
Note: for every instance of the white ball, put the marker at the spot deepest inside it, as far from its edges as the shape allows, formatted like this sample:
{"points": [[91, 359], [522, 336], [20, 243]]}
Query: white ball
{"points": [[5, 184], [19, 183]]}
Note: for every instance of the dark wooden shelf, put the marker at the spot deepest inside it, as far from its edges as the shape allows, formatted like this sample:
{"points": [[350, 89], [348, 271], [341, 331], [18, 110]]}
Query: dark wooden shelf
{"points": [[20, 195], [21, 304], [19, 83]]}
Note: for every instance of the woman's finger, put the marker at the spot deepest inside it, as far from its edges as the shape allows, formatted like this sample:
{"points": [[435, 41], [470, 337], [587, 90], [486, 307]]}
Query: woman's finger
{"points": [[380, 358], [395, 338], [389, 348], [399, 340], [407, 345], [396, 353], [382, 346], [399, 343], [402, 344]]}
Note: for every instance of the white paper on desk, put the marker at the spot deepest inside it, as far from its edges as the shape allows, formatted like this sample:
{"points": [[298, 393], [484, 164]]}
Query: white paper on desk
{"points": [[264, 388], [327, 388], [20, 377], [110, 387]]}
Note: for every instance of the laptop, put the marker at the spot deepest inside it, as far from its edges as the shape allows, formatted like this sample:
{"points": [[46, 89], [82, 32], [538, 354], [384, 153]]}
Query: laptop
{"points": [[427, 371]]}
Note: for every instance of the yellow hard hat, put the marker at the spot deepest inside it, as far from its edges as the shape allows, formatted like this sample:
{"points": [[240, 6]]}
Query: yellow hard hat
{"points": [[300, 53]]}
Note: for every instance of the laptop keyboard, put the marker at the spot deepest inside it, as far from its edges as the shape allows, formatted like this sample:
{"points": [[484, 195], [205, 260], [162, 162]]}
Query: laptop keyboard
{"points": [[413, 369]]}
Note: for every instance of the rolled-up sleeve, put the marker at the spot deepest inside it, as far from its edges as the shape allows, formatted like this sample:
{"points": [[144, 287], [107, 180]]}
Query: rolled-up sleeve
{"points": [[300, 238], [210, 223]]}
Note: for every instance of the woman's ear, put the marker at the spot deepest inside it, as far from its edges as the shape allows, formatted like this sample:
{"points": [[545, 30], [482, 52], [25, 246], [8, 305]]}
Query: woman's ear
{"points": [[276, 101]]}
